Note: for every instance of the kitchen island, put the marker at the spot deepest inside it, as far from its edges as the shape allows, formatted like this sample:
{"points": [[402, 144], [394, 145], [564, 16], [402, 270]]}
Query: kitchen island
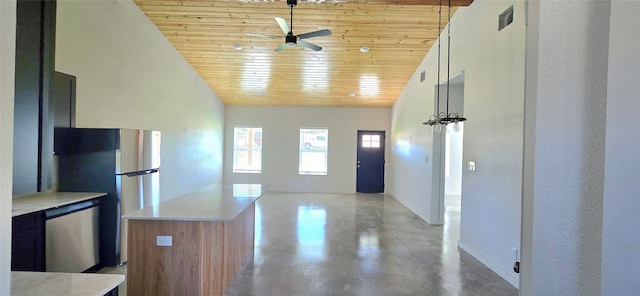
{"points": [[194, 244]]}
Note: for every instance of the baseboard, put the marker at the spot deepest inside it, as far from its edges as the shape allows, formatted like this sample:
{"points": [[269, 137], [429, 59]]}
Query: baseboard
{"points": [[505, 274]]}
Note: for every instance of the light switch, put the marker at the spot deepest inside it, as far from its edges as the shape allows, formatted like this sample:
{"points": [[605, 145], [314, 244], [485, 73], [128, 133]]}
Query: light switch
{"points": [[472, 165], [164, 241]]}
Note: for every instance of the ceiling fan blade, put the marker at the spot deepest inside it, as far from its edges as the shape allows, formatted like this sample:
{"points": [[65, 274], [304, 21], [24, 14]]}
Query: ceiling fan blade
{"points": [[283, 25], [281, 47], [264, 35], [325, 32], [309, 45]]}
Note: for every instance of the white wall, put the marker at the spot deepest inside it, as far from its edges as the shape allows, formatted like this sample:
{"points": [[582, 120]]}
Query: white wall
{"points": [[129, 75], [453, 182], [566, 99], [621, 218], [453, 152], [7, 75], [280, 146], [493, 63]]}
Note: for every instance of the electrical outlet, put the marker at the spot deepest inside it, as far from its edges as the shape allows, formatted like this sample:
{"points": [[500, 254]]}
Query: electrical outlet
{"points": [[472, 165], [164, 241]]}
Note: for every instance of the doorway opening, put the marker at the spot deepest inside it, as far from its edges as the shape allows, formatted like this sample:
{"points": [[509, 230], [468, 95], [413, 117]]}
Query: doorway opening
{"points": [[447, 157]]}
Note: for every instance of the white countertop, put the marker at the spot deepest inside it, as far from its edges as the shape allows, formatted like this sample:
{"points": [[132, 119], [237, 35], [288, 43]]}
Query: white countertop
{"points": [[46, 200], [211, 203], [63, 284]]}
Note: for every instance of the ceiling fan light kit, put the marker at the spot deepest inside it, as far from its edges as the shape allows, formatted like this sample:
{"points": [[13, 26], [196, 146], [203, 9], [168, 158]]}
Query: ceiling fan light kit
{"points": [[290, 39], [438, 122]]}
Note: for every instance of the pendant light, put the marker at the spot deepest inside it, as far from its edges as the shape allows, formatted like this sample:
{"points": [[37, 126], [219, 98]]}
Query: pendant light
{"points": [[438, 122]]}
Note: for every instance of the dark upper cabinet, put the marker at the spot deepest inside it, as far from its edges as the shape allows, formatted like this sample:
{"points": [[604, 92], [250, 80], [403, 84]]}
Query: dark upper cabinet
{"points": [[33, 125], [27, 98], [64, 100]]}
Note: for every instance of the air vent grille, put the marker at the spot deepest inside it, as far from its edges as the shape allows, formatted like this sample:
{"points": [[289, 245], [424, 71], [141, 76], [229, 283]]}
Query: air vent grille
{"points": [[505, 18]]}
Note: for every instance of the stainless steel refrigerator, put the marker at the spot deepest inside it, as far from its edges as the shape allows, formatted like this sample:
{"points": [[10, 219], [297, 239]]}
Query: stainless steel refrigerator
{"points": [[124, 163]]}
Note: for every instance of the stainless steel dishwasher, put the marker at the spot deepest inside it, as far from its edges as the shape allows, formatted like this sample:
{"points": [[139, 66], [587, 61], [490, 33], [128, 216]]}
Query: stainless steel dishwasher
{"points": [[72, 237]]}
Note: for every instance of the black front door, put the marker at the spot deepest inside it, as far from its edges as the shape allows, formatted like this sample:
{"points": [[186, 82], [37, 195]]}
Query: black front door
{"points": [[370, 162]]}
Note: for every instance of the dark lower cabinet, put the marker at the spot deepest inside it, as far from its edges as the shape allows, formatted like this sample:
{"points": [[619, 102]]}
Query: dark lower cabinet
{"points": [[113, 292], [28, 242]]}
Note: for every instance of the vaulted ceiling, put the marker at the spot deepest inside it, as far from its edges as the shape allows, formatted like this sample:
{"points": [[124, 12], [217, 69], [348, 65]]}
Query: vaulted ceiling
{"points": [[245, 70]]}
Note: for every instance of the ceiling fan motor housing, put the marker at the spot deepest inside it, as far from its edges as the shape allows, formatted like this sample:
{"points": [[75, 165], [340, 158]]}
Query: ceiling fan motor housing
{"points": [[292, 3], [291, 40]]}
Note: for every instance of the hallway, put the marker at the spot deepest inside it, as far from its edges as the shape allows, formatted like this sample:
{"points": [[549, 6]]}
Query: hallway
{"points": [[358, 244]]}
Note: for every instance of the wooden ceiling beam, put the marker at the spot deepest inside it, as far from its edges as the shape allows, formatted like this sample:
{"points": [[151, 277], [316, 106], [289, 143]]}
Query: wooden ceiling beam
{"points": [[454, 3]]}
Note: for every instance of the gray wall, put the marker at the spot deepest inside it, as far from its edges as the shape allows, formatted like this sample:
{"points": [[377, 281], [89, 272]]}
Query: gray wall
{"points": [[7, 69], [566, 96], [621, 214]]}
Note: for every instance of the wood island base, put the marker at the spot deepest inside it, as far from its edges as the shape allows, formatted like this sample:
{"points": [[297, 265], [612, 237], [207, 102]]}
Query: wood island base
{"points": [[204, 257]]}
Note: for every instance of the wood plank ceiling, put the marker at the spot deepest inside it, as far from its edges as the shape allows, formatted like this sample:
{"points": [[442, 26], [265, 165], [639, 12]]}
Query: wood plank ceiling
{"points": [[208, 32]]}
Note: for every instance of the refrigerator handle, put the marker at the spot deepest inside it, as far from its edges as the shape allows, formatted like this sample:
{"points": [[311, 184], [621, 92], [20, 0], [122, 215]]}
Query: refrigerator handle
{"points": [[139, 173]]}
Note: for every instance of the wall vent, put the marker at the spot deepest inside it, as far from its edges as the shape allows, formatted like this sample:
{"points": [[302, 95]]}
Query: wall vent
{"points": [[423, 75], [505, 18]]}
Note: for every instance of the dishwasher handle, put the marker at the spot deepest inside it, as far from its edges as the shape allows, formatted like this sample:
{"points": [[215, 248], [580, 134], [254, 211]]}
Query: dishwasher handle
{"points": [[68, 209]]}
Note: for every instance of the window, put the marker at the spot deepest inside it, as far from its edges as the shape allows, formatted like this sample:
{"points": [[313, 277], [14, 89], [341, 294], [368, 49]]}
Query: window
{"points": [[370, 141], [313, 151], [247, 150]]}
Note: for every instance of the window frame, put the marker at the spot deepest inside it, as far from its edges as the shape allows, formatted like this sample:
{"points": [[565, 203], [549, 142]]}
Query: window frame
{"points": [[302, 149], [237, 170]]}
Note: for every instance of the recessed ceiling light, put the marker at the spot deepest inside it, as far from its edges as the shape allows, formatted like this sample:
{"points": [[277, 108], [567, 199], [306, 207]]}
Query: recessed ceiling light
{"points": [[352, 94], [364, 49], [237, 46]]}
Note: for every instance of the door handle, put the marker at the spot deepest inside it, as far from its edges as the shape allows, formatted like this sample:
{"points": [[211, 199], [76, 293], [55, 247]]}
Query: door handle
{"points": [[358, 166], [358, 162]]}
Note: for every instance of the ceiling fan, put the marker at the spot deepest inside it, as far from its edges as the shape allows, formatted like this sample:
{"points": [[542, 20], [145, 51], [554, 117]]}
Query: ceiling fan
{"points": [[290, 39]]}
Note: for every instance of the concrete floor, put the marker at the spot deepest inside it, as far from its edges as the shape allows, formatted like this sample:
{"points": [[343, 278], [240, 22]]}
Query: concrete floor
{"points": [[357, 244]]}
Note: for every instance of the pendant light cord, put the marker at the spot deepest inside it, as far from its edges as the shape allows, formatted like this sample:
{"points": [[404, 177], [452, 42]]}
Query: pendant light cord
{"points": [[291, 29], [441, 119], [448, 54], [437, 113]]}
